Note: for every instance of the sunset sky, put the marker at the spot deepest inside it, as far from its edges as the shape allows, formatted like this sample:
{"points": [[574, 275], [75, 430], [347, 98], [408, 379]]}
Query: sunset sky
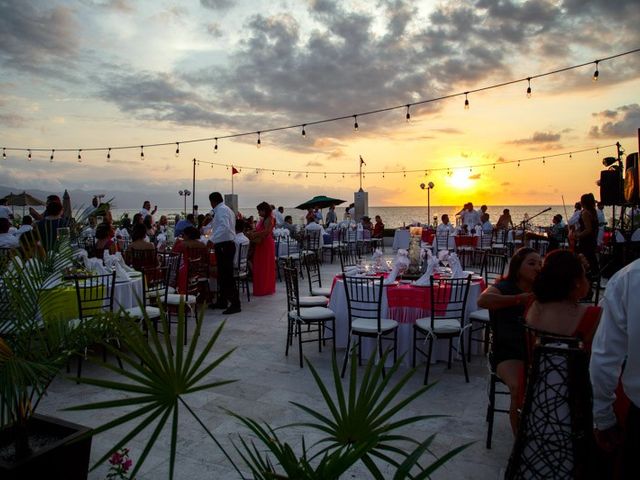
{"points": [[88, 74]]}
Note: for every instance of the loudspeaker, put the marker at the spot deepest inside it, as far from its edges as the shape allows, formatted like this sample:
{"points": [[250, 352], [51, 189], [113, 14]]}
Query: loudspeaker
{"points": [[631, 188], [611, 187]]}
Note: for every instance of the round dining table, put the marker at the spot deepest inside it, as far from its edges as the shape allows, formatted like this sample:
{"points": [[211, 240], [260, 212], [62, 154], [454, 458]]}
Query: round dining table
{"points": [[404, 303]]}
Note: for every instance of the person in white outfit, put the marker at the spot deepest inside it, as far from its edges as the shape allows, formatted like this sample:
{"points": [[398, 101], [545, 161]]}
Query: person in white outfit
{"points": [[615, 351]]}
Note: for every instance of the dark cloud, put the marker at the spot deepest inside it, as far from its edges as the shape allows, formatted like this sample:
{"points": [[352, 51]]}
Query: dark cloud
{"points": [[37, 40], [619, 123], [218, 5], [354, 61], [12, 120], [537, 138]]}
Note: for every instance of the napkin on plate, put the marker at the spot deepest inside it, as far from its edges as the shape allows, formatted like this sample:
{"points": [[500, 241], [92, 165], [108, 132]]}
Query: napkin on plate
{"points": [[121, 274], [351, 270], [123, 264], [456, 267], [95, 265]]}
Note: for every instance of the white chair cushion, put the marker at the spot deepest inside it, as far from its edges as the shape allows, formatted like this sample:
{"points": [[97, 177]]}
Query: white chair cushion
{"points": [[321, 291], [370, 325], [441, 326], [481, 315], [176, 298], [137, 312], [313, 314], [310, 301]]}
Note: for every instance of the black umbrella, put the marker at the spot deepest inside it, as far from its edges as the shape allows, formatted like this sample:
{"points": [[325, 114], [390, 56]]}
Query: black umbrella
{"points": [[321, 201]]}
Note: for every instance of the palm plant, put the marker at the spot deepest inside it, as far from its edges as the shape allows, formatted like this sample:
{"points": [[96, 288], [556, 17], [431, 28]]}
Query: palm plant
{"points": [[159, 374], [35, 342], [360, 425]]}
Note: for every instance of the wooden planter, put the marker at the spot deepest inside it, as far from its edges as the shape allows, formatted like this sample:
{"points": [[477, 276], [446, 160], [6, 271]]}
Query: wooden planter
{"points": [[60, 458]]}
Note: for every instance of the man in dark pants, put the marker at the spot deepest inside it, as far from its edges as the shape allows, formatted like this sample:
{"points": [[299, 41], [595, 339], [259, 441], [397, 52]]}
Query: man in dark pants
{"points": [[224, 234]]}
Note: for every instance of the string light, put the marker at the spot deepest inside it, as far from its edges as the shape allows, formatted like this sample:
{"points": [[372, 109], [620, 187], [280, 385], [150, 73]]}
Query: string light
{"points": [[306, 175], [4, 153], [256, 171], [141, 152], [466, 100], [51, 157], [289, 174], [408, 115], [570, 156], [29, 155], [325, 175], [518, 162], [494, 166], [543, 161], [382, 174], [404, 174], [596, 74], [304, 133], [79, 156], [529, 88], [215, 147], [385, 109], [273, 173], [355, 123], [109, 155], [258, 143], [177, 149]]}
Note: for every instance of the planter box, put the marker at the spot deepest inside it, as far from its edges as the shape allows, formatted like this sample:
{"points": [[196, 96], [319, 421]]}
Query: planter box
{"points": [[61, 458]]}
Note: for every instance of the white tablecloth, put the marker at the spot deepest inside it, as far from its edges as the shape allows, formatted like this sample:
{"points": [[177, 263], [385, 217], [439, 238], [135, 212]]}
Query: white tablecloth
{"points": [[126, 294], [405, 315], [401, 239]]}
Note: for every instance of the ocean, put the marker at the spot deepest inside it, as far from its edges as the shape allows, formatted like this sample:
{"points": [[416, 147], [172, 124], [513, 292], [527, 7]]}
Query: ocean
{"points": [[394, 217]]}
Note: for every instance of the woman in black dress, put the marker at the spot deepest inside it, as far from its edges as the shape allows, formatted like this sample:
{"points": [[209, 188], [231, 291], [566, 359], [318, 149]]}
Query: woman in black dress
{"points": [[507, 300], [586, 235]]}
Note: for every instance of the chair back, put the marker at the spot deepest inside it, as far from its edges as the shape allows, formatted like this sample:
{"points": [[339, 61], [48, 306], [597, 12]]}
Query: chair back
{"points": [[291, 282], [172, 263], [449, 299], [471, 259], [197, 267], [312, 240], [557, 405], [348, 256], [143, 258], [499, 236], [154, 286], [95, 294], [241, 267], [493, 267], [486, 240], [312, 265], [364, 297], [442, 240]]}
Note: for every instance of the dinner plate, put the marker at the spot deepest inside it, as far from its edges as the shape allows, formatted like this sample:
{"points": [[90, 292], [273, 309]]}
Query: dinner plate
{"points": [[476, 277], [392, 284]]}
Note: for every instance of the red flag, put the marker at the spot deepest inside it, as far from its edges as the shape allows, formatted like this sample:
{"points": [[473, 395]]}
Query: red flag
{"points": [[362, 160], [234, 170]]}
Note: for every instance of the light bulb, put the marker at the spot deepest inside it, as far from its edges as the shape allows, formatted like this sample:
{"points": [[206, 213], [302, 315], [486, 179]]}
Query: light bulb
{"points": [[177, 149], [79, 156], [355, 123], [596, 74], [408, 115], [304, 133], [29, 156], [466, 101], [215, 147], [51, 157], [258, 143], [141, 152], [529, 88], [108, 155]]}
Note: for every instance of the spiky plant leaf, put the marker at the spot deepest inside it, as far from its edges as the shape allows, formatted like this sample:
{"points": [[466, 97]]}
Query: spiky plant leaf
{"points": [[159, 372]]}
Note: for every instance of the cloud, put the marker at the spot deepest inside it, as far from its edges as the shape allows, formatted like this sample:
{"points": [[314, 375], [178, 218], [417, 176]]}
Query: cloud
{"points": [[214, 29], [37, 40], [218, 5], [12, 120], [505, 184], [475, 176], [537, 138], [619, 123], [314, 163]]}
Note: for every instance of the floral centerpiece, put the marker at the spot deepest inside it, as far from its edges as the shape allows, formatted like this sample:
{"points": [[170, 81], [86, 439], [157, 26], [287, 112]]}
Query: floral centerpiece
{"points": [[415, 256]]}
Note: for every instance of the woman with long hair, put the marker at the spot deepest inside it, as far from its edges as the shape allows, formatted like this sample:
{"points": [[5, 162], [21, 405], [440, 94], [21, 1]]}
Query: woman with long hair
{"points": [[559, 286], [586, 235], [264, 269], [507, 300]]}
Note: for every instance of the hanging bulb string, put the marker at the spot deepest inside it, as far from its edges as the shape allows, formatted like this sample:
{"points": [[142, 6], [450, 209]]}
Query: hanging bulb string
{"points": [[350, 116], [403, 171]]}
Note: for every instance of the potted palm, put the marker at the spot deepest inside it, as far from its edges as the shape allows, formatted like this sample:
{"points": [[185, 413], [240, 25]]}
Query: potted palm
{"points": [[35, 344]]}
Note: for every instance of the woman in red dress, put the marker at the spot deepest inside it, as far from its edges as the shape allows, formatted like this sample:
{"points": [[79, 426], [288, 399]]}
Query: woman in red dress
{"points": [[264, 266]]}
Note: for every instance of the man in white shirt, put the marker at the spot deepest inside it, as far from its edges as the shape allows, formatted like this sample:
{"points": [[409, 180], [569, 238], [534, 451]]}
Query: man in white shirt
{"points": [[617, 341], [470, 217], [7, 240], [224, 234], [445, 226], [279, 213], [146, 209], [575, 218], [240, 240]]}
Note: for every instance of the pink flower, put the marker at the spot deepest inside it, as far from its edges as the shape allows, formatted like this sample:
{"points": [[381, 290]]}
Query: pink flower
{"points": [[127, 465], [115, 459]]}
